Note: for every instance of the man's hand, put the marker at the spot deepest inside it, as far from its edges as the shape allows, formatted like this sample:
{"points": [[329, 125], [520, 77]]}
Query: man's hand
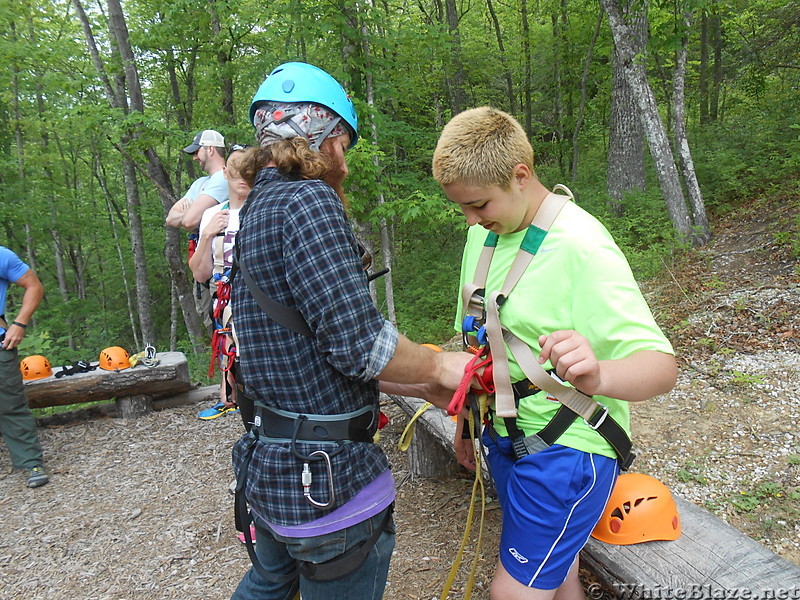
{"points": [[14, 335], [30, 300]]}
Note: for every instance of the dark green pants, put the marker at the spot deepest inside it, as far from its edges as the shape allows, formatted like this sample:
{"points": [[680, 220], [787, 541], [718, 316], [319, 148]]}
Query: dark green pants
{"points": [[17, 425]]}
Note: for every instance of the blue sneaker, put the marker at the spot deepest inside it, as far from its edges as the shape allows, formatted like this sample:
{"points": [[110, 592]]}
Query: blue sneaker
{"points": [[215, 411]]}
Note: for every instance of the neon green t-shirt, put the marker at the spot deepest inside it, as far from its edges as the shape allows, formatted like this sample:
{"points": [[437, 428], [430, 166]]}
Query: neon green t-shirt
{"points": [[579, 280]]}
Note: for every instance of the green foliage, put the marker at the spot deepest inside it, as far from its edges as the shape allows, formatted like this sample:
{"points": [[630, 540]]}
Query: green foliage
{"points": [[692, 472], [428, 266], [739, 378], [64, 202], [770, 494]]}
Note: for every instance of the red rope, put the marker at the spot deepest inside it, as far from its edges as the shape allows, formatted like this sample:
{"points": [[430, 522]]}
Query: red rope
{"points": [[482, 360], [220, 348], [223, 296]]}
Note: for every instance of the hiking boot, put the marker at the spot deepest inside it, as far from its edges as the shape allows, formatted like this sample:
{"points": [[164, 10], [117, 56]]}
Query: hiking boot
{"points": [[37, 477], [215, 411]]}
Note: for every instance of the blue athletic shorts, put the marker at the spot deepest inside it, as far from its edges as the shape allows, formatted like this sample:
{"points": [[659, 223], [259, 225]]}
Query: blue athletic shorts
{"points": [[551, 502]]}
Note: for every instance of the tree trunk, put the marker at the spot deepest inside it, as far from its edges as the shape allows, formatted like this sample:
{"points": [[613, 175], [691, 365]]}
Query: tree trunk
{"points": [[558, 102], [526, 53], [506, 71], [456, 78], [386, 244], [702, 82], [701, 233], [636, 77], [584, 79], [118, 30], [717, 41], [626, 151], [123, 268], [223, 64]]}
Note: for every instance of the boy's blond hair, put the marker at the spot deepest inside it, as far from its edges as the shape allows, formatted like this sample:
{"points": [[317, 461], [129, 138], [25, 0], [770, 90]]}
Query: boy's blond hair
{"points": [[481, 147]]}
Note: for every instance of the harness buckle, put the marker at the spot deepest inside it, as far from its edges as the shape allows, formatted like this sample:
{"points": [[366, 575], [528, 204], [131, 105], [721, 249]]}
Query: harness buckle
{"points": [[597, 419]]}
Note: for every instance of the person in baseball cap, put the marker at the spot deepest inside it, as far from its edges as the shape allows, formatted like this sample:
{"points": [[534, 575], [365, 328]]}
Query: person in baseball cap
{"points": [[208, 138]]}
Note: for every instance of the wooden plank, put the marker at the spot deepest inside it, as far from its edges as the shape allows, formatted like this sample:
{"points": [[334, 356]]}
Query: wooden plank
{"points": [[170, 376], [710, 558], [709, 553], [431, 453], [201, 394]]}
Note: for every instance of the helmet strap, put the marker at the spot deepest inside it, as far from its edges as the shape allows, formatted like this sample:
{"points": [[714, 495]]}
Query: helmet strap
{"points": [[325, 133]]}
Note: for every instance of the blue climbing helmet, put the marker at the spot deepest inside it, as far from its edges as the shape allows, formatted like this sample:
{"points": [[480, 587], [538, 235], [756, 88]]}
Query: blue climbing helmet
{"points": [[301, 82]]}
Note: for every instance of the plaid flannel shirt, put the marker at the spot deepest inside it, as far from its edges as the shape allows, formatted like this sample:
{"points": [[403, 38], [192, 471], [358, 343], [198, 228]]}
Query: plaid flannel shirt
{"points": [[300, 250]]}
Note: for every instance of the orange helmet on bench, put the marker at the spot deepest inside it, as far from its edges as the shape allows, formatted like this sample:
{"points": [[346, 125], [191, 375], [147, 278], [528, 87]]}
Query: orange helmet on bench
{"points": [[114, 358], [640, 509], [35, 367]]}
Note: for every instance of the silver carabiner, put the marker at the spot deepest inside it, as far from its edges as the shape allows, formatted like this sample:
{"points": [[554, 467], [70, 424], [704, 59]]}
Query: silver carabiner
{"points": [[305, 478]]}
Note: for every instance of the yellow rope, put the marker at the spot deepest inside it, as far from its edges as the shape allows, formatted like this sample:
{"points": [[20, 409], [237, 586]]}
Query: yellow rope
{"points": [[478, 483], [405, 439]]}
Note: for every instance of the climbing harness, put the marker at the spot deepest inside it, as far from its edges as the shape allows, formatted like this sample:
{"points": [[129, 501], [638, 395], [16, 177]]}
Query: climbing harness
{"points": [[223, 353], [279, 425], [482, 320], [78, 366], [192, 244], [146, 358]]}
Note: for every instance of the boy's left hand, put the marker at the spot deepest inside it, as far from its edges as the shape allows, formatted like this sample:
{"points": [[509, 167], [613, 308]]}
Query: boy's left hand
{"points": [[573, 359]]}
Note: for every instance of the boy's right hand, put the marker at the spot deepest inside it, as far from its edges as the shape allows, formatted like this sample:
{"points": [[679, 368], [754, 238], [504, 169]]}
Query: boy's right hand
{"points": [[465, 451], [217, 224]]}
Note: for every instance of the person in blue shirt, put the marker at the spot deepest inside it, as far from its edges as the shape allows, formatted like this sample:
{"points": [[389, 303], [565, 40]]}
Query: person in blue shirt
{"points": [[208, 150], [17, 425]]}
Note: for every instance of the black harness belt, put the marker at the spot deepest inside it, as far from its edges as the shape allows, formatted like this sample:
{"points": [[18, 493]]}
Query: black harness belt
{"points": [[276, 423], [601, 422]]}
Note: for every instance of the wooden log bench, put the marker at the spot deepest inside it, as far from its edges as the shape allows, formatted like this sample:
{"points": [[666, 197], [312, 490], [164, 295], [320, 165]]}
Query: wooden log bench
{"points": [[711, 559], [134, 390]]}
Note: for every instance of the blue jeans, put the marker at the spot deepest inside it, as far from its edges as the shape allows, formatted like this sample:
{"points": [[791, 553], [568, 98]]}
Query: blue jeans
{"points": [[278, 554]]}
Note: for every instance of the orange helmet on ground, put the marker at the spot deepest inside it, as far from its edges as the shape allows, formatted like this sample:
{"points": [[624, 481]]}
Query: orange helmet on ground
{"points": [[640, 509], [35, 367], [114, 359]]}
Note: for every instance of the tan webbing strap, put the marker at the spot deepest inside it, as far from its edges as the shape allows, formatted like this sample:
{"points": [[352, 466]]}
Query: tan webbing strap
{"points": [[574, 400], [3, 323], [219, 255], [219, 249], [504, 404], [472, 304]]}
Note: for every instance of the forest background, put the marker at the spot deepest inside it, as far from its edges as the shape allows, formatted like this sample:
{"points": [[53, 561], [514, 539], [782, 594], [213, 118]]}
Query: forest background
{"points": [[656, 114]]}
